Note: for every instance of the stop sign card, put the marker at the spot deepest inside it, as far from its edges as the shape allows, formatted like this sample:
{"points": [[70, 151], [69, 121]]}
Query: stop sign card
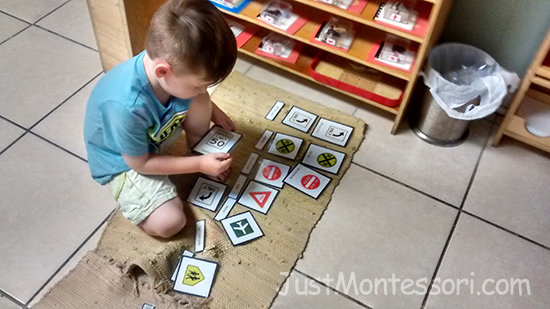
{"points": [[324, 158], [217, 140], [272, 173], [258, 197], [307, 180], [285, 146]]}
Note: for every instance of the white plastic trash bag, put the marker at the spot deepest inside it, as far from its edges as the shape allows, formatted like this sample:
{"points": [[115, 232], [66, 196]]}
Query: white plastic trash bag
{"points": [[466, 82]]}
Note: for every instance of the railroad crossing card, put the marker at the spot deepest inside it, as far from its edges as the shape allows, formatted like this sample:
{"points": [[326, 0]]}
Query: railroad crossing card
{"points": [[242, 228], [307, 180], [285, 146], [217, 140], [258, 197], [272, 173], [206, 193], [332, 132], [324, 158], [299, 119], [195, 276]]}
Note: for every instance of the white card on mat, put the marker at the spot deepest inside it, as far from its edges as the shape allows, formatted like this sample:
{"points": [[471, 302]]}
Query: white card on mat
{"points": [[258, 197], [206, 193], [272, 173], [323, 158], [250, 163], [242, 228], [275, 110], [307, 180], [200, 235], [285, 146], [333, 132], [237, 187], [299, 119], [185, 253], [195, 276], [226, 209], [263, 139], [217, 140]]}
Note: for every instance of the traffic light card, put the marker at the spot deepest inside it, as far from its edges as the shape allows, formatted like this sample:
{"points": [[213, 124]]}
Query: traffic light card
{"points": [[258, 197], [307, 180], [195, 276], [324, 158], [206, 194], [285, 146], [332, 132], [217, 140], [299, 119], [242, 228], [272, 173]]}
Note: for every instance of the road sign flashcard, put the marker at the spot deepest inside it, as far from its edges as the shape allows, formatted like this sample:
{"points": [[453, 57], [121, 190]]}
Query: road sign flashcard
{"points": [[307, 180], [185, 253], [200, 235], [272, 173], [275, 110], [237, 187], [206, 194], [263, 139], [242, 228], [226, 209], [285, 146], [252, 158], [332, 132], [299, 119], [324, 158], [217, 140], [195, 276], [258, 197]]}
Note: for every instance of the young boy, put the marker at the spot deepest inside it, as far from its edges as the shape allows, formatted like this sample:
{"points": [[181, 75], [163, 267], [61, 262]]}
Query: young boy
{"points": [[142, 105]]}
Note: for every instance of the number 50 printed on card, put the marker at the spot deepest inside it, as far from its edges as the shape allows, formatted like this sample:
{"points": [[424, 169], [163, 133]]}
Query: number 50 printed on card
{"points": [[217, 140]]}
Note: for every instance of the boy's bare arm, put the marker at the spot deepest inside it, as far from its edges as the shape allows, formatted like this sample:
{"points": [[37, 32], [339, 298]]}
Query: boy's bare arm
{"points": [[212, 164]]}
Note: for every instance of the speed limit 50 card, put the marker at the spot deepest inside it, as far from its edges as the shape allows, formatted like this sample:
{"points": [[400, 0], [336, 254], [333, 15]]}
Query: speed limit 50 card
{"points": [[217, 140], [307, 180]]}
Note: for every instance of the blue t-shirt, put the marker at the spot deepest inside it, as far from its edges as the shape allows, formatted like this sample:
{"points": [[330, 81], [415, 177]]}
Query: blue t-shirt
{"points": [[123, 116]]}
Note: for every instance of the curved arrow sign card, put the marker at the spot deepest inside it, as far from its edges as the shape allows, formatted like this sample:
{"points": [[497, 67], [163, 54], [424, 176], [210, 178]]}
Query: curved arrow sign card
{"points": [[207, 194]]}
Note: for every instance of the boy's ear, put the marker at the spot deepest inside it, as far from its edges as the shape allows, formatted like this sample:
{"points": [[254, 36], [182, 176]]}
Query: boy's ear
{"points": [[162, 68]]}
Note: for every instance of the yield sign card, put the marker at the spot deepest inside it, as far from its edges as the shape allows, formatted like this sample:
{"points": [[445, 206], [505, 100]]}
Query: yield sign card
{"points": [[285, 146], [307, 180], [195, 276], [206, 194], [217, 140], [258, 197], [299, 119], [332, 132], [242, 228], [324, 158], [272, 173]]}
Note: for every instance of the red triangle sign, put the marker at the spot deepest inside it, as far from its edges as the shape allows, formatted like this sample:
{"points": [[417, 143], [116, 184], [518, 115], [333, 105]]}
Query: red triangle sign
{"points": [[260, 197]]}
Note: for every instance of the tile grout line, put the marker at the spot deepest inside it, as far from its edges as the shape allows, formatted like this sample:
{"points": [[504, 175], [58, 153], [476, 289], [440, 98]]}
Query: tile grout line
{"points": [[66, 38], [58, 146], [70, 257], [332, 289], [52, 11], [17, 33]]}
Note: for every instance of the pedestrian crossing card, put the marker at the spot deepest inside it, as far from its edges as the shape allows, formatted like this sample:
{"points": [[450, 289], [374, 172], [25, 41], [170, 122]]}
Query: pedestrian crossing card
{"points": [[285, 146], [242, 228], [324, 158], [299, 119], [195, 277], [332, 132], [217, 140], [206, 194], [175, 273], [272, 173], [258, 197], [307, 180]]}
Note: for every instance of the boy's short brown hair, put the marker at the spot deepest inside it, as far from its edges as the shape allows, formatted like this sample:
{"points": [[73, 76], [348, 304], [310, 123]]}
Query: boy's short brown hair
{"points": [[193, 37]]}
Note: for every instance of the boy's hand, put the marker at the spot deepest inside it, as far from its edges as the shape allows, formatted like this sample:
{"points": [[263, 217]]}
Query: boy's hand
{"points": [[221, 119], [216, 164]]}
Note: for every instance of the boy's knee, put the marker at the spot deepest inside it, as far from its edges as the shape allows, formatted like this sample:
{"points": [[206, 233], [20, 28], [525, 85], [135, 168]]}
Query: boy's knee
{"points": [[172, 227], [167, 220]]}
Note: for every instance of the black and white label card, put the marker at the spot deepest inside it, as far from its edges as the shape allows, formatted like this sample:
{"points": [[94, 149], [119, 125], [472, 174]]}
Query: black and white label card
{"points": [[258, 197], [195, 276], [206, 193], [226, 209], [217, 140], [263, 140], [332, 132], [200, 235], [237, 187], [285, 146], [299, 119], [242, 228], [185, 253], [324, 158], [272, 173], [275, 110], [252, 158], [307, 180]]}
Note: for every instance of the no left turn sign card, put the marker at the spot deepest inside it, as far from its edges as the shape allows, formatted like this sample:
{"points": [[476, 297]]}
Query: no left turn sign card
{"points": [[307, 180]]}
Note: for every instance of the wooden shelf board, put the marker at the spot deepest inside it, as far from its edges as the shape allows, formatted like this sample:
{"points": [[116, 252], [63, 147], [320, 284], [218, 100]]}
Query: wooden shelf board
{"points": [[544, 71], [516, 129], [541, 82], [362, 43], [301, 67]]}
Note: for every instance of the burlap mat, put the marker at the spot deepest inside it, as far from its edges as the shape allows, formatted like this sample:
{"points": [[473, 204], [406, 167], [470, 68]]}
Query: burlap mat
{"points": [[249, 275]]}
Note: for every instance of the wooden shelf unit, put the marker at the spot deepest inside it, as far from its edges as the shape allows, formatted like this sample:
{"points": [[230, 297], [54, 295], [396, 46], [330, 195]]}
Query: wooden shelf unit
{"points": [[536, 86], [120, 27]]}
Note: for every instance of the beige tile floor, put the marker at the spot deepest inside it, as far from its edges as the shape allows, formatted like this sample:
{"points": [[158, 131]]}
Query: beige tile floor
{"points": [[406, 212]]}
